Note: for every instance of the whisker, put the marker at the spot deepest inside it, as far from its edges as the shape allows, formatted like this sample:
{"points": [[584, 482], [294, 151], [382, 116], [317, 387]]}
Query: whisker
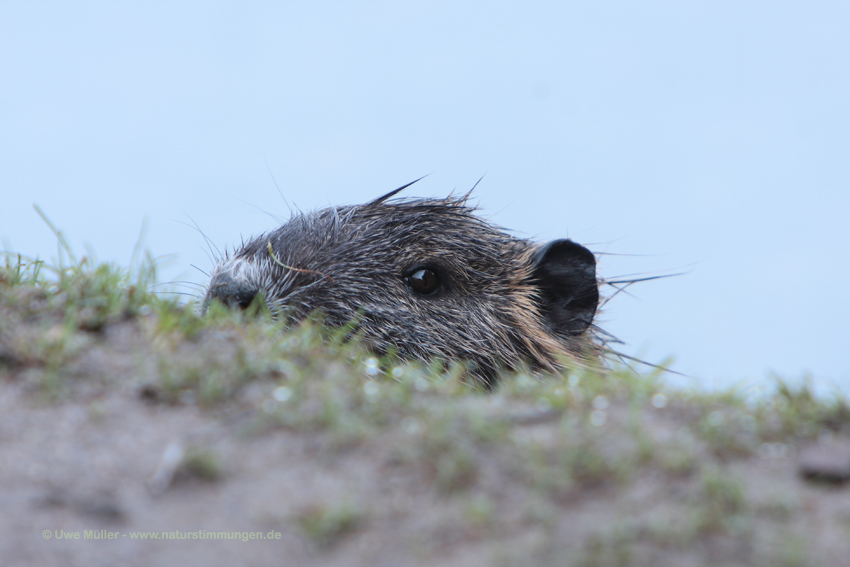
{"points": [[615, 294], [276, 218], [171, 292], [636, 280], [180, 282], [279, 192], [622, 356], [200, 270], [213, 248]]}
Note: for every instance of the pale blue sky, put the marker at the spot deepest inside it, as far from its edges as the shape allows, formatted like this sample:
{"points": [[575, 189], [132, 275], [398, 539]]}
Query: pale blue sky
{"points": [[711, 138]]}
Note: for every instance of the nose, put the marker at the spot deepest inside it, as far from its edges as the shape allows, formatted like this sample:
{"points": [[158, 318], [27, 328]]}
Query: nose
{"points": [[232, 292]]}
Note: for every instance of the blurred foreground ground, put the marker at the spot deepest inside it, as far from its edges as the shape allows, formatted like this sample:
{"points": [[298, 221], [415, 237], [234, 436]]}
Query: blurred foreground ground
{"points": [[122, 414]]}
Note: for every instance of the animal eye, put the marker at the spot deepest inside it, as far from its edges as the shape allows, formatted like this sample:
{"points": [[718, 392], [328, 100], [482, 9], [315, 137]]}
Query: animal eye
{"points": [[423, 281]]}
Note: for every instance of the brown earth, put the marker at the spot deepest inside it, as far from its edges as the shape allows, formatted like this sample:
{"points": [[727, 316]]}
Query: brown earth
{"points": [[93, 441]]}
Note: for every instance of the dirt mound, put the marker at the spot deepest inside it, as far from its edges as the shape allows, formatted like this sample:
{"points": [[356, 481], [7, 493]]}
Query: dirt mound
{"points": [[134, 433]]}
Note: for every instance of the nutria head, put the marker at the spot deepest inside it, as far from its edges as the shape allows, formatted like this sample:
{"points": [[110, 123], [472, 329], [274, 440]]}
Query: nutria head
{"points": [[424, 278]]}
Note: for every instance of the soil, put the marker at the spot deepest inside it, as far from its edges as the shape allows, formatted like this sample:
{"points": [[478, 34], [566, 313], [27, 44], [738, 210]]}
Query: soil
{"points": [[95, 443]]}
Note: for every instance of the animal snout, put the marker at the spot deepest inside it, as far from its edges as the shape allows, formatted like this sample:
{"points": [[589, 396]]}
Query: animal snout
{"points": [[230, 291]]}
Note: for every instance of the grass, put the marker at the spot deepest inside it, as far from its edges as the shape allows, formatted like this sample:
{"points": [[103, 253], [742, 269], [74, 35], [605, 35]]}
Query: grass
{"points": [[332, 384], [325, 524], [553, 439], [203, 464]]}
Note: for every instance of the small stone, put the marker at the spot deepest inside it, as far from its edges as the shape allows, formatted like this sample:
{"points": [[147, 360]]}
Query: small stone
{"points": [[826, 462]]}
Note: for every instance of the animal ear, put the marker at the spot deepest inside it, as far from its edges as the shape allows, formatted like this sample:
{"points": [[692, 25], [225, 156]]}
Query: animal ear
{"points": [[566, 274]]}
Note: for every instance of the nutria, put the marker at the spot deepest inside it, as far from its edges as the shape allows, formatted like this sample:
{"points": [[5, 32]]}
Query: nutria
{"points": [[424, 278]]}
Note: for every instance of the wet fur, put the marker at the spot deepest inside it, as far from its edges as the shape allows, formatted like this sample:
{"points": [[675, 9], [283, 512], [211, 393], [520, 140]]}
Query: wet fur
{"points": [[501, 302]]}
